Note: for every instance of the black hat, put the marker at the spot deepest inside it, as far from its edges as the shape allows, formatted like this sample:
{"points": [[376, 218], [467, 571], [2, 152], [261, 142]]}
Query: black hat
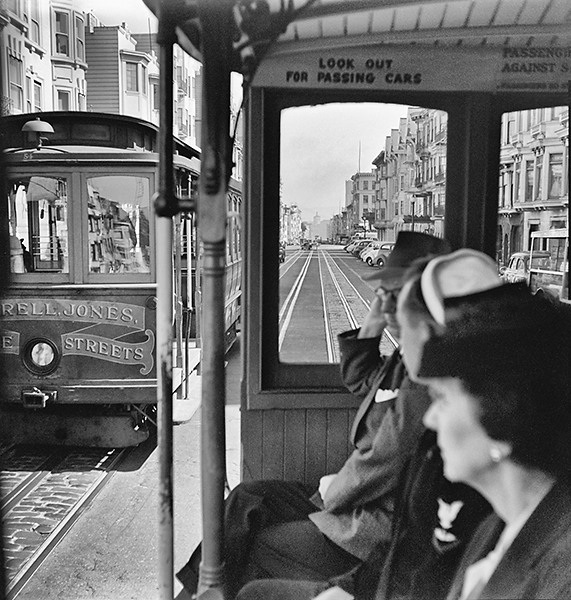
{"points": [[410, 246], [505, 329]]}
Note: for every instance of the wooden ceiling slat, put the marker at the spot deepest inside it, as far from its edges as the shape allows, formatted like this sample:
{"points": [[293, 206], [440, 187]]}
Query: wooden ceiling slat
{"points": [[362, 16], [446, 22]]}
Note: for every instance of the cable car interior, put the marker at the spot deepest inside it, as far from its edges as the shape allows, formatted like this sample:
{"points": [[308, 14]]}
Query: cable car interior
{"points": [[475, 60]]}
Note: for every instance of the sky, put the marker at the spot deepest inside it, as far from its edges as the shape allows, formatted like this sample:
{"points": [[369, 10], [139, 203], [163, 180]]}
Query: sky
{"points": [[114, 12], [323, 146], [320, 145]]}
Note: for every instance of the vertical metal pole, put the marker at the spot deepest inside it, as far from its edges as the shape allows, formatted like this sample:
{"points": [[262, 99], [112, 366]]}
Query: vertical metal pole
{"points": [[568, 190], [165, 407], [164, 206], [178, 289], [216, 19], [4, 284]]}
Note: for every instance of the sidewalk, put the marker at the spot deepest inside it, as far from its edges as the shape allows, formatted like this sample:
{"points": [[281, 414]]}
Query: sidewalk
{"points": [[188, 526]]}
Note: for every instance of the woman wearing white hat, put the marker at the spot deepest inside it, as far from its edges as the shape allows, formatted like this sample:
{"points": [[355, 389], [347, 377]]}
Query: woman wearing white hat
{"points": [[497, 366]]}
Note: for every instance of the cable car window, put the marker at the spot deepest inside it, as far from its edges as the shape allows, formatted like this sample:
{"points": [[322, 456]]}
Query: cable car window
{"points": [[349, 173], [38, 216], [118, 220]]}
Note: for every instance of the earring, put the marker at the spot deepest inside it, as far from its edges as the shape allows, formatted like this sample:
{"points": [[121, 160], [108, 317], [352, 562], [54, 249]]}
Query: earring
{"points": [[496, 454]]}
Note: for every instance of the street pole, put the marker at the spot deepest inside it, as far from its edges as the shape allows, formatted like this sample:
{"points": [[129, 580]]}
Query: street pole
{"points": [[412, 216]]}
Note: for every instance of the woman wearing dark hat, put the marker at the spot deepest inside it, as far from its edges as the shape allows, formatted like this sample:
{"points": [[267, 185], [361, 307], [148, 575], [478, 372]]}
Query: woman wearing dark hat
{"points": [[497, 366]]}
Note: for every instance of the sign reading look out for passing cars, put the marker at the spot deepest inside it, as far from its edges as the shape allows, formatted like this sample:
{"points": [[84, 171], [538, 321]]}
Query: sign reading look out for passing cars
{"points": [[418, 68]]}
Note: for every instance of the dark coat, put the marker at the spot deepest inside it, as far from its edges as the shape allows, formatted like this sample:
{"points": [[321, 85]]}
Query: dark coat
{"points": [[359, 503], [434, 522], [383, 433], [397, 458], [538, 562]]}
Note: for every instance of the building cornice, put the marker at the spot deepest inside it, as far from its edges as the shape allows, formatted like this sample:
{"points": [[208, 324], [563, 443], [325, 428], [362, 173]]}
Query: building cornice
{"points": [[134, 55]]}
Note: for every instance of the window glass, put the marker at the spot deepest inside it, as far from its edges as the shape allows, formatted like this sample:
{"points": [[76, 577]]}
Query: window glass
{"points": [[15, 6], [131, 80], [538, 177], [555, 174], [528, 180], [63, 100], [34, 31], [38, 219], [29, 94], [118, 224], [62, 33], [156, 99], [80, 39], [37, 96], [517, 168], [16, 83]]}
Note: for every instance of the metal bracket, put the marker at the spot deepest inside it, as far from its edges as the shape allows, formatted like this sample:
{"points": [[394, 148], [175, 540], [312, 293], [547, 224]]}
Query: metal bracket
{"points": [[164, 208], [35, 398]]}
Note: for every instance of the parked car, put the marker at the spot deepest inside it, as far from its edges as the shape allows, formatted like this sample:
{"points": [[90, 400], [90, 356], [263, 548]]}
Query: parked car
{"points": [[349, 247], [517, 268], [359, 246], [382, 254], [369, 252]]}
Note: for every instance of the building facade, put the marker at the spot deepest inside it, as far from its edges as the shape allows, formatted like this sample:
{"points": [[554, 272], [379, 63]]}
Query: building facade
{"points": [[361, 200], [290, 224], [55, 57], [410, 178], [43, 60], [534, 177]]}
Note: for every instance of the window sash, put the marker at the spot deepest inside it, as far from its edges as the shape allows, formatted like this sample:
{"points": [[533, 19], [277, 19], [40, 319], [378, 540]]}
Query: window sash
{"points": [[62, 33], [63, 100], [34, 32], [16, 82], [37, 96], [555, 175], [131, 77], [80, 39]]}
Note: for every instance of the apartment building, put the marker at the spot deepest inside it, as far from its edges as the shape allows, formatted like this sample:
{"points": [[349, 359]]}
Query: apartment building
{"points": [[55, 57], [43, 61], [290, 223], [533, 185], [534, 176], [361, 202]]}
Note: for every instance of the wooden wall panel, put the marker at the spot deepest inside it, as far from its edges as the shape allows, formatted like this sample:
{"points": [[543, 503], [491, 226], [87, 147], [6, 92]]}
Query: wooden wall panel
{"points": [[251, 439], [296, 445], [316, 456], [273, 436], [338, 429]]}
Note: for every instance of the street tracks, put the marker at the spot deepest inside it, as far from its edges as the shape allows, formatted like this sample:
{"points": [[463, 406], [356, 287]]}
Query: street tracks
{"points": [[325, 279], [44, 490]]}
